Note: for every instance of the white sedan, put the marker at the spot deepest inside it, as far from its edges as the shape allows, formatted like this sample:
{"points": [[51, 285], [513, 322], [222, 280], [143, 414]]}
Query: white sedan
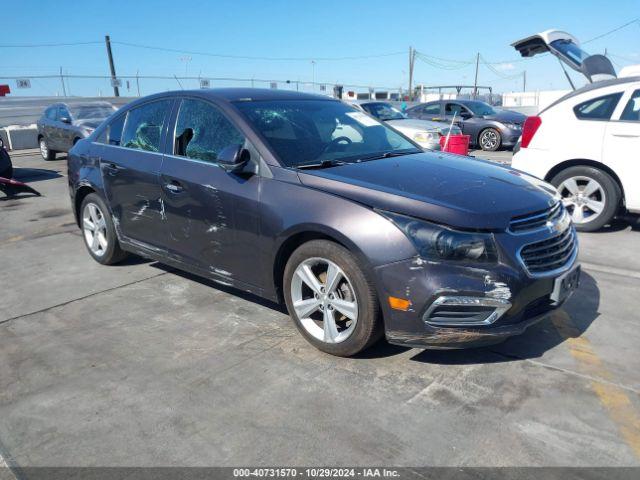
{"points": [[424, 132]]}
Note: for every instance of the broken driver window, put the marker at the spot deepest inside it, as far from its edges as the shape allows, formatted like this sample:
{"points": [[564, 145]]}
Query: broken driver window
{"points": [[202, 131]]}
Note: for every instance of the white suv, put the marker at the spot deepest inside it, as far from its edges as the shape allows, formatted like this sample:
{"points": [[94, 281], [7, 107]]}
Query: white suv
{"points": [[587, 144]]}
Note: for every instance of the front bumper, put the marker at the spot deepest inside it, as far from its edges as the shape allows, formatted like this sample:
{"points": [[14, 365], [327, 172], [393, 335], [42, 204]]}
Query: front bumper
{"points": [[528, 301], [510, 137]]}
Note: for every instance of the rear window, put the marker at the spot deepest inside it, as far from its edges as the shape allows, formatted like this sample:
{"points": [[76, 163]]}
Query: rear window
{"points": [[600, 108]]}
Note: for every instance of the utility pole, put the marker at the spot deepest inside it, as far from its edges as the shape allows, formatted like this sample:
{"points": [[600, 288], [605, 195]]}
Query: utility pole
{"points": [[475, 82], [412, 58], [107, 41], [313, 74], [64, 89], [524, 81]]}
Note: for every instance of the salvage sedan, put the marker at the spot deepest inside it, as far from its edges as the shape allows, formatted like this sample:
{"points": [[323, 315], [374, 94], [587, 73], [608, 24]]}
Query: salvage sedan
{"points": [[361, 236]]}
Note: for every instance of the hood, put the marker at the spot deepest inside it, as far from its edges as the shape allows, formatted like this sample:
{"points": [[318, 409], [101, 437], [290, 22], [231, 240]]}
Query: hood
{"points": [[416, 124], [447, 189], [507, 116], [89, 122]]}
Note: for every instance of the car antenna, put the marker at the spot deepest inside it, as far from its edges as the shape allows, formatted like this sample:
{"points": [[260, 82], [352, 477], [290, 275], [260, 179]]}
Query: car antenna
{"points": [[566, 74], [446, 142]]}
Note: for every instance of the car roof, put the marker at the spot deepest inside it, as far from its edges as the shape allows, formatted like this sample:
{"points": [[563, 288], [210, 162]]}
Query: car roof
{"points": [[593, 86], [247, 94], [232, 95]]}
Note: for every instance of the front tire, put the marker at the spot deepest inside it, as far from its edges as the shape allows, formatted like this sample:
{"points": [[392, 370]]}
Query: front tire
{"points": [[590, 196], [331, 301], [490, 140], [46, 153], [99, 232]]}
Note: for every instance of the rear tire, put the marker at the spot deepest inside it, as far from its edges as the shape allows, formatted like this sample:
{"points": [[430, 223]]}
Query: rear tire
{"points": [[46, 153], [340, 317], [590, 195], [489, 139], [99, 233]]}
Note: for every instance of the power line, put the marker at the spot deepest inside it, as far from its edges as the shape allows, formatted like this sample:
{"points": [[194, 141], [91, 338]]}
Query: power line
{"points": [[635, 20], [37, 45], [246, 57]]}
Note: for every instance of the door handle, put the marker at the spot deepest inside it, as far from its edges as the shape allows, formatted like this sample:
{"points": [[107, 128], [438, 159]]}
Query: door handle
{"points": [[625, 135], [112, 167], [174, 187]]}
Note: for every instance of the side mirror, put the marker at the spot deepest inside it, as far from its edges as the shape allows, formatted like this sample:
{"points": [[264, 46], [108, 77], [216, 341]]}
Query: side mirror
{"points": [[65, 119], [233, 158], [465, 115]]}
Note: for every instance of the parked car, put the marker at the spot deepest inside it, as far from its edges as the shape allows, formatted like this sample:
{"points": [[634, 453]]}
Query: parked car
{"points": [[360, 238], [424, 132], [489, 129], [62, 125], [586, 143]]}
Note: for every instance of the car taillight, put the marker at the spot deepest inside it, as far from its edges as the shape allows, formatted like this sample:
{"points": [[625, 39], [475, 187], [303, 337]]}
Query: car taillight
{"points": [[531, 125]]}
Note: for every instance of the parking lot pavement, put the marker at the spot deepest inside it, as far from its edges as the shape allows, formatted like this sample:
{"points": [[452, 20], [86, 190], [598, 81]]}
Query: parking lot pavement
{"points": [[501, 156], [137, 365]]}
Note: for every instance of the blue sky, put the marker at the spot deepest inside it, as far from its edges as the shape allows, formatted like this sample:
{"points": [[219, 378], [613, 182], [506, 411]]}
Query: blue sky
{"points": [[318, 29]]}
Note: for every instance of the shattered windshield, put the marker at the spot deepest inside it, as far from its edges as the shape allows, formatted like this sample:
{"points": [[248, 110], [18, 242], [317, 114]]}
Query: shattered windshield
{"points": [[307, 132]]}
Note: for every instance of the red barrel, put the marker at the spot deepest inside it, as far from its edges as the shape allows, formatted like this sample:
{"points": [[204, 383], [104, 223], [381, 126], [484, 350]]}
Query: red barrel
{"points": [[458, 144]]}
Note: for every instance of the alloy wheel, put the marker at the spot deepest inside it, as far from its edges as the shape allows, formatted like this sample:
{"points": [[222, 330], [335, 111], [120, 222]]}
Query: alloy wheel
{"points": [[44, 150], [583, 197], [94, 226], [489, 140], [324, 300]]}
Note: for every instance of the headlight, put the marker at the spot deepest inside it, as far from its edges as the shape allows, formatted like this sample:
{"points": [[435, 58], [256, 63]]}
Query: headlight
{"points": [[426, 137], [435, 242], [513, 126]]}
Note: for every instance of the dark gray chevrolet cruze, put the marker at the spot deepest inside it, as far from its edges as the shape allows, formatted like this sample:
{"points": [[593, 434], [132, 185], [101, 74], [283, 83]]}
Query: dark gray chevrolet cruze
{"points": [[303, 199]]}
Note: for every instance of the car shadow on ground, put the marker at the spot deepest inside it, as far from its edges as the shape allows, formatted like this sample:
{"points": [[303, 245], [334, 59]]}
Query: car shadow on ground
{"points": [[571, 321], [621, 223], [250, 297], [30, 175]]}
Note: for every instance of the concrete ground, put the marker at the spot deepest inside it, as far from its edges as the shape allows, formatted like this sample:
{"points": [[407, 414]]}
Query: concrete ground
{"points": [[138, 365]]}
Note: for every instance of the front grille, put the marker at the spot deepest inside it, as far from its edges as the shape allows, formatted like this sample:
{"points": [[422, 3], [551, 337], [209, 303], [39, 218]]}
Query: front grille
{"points": [[536, 220], [550, 254]]}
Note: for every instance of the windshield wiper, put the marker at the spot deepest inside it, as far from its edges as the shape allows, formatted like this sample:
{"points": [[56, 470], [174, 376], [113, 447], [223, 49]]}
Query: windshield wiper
{"points": [[386, 155], [322, 164]]}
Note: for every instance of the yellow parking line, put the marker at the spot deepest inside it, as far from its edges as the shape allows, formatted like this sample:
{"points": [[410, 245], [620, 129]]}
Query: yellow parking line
{"points": [[613, 398]]}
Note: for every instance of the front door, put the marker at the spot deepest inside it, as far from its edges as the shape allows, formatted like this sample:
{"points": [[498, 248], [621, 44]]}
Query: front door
{"points": [[212, 214], [130, 162], [622, 144]]}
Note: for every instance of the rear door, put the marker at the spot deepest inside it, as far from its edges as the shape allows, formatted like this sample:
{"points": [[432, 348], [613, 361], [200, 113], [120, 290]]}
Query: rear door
{"points": [[212, 214], [622, 144], [130, 163]]}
